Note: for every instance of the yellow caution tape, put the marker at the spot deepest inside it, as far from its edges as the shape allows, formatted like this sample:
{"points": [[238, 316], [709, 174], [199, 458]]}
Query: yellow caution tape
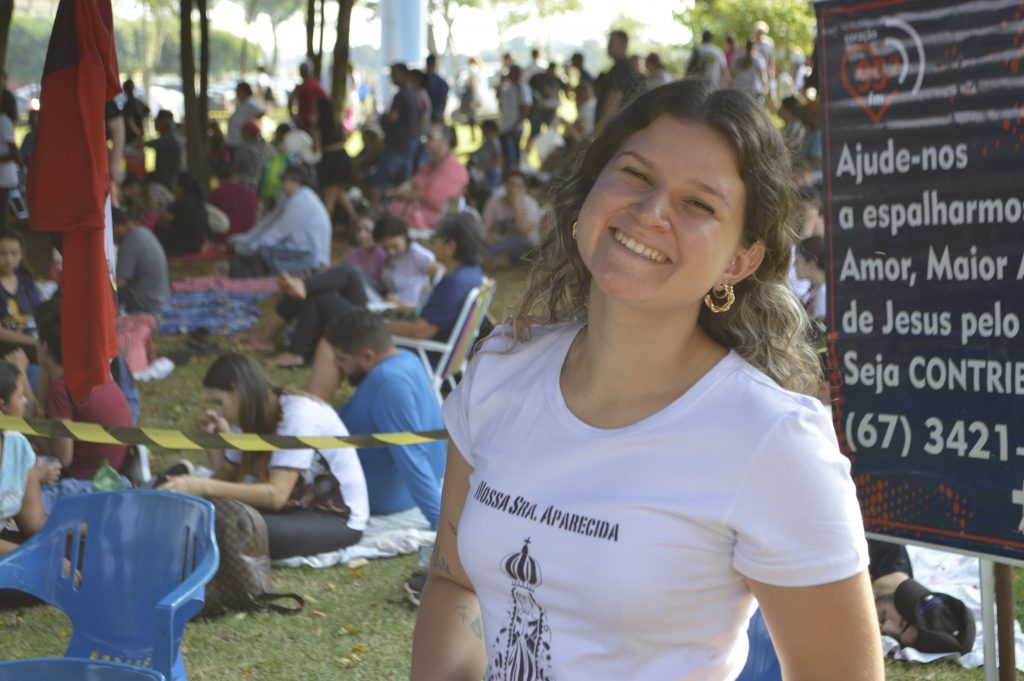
{"points": [[197, 439]]}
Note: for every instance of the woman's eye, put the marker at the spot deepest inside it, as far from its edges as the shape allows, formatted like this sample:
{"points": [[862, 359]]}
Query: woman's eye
{"points": [[633, 172], [702, 206]]}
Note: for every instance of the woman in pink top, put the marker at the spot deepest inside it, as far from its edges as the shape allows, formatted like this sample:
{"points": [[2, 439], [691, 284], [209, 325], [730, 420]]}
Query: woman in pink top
{"points": [[422, 200]]}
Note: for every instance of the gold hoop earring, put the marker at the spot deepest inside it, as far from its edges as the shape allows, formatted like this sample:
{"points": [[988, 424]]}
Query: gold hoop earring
{"points": [[722, 292], [574, 230]]}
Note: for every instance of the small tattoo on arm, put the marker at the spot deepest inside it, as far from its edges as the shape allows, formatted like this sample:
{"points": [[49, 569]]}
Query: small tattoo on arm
{"points": [[471, 619], [440, 564], [454, 529]]}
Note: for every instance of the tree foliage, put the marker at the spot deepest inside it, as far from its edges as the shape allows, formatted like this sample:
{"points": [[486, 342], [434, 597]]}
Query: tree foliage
{"points": [[30, 35], [791, 21]]}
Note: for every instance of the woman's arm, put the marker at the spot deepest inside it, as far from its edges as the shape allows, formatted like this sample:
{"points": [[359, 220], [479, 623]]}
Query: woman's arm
{"points": [[32, 516], [417, 328], [448, 642], [823, 632], [16, 338], [271, 495]]}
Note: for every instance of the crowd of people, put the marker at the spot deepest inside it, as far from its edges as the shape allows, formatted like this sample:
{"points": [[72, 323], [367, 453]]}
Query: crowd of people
{"points": [[670, 214]]}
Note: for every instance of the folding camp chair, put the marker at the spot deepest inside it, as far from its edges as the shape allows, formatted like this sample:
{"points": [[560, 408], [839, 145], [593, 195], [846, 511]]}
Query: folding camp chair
{"points": [[453, 354]]}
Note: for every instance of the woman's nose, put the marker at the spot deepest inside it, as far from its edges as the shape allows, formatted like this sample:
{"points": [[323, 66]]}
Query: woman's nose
{"points": [[654, 208]]}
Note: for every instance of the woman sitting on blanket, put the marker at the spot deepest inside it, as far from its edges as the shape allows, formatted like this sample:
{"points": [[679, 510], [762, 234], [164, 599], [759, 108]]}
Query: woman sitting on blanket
{"points": [[314, 501]]}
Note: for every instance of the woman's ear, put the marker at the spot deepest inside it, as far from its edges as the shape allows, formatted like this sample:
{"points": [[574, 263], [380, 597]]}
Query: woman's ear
{"points": [[745, 262]]}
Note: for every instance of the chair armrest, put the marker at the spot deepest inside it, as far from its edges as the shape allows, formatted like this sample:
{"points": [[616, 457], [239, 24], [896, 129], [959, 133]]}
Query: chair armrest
{"points": [[419, 344], [179, 606]]}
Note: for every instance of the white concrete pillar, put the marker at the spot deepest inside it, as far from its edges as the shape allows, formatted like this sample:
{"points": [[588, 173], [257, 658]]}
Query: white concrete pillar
{"points": [[403, 38]]}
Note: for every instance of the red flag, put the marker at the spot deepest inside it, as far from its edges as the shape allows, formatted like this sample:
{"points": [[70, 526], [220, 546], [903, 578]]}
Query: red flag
{"points": [[69, 179]]}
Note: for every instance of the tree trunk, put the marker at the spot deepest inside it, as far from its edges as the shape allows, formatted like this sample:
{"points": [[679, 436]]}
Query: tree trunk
{"points": [[431, 40], [243, 64], [194, 134], [274, 56], [319, 61], [201, 171], [6, 12], [449, 45], [310, 29], [339, 74], [154, 33]]}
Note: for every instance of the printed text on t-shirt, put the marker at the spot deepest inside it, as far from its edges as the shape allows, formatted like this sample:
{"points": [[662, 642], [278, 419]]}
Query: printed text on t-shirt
{"points": [[552, 517]]}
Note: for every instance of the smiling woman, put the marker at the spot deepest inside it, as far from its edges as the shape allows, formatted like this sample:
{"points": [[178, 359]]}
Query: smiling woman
{"points": [[631, 461]]}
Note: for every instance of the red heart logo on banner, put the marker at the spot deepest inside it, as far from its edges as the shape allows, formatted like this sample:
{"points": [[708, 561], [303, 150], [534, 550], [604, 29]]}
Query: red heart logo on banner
{"points": [[873, 86]]}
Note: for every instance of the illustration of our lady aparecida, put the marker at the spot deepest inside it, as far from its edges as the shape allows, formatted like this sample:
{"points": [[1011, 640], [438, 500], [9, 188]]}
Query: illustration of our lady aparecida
{"points": [[524, 642]]}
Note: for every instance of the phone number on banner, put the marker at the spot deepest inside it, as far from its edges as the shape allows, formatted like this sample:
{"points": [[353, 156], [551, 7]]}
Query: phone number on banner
{"points": [[966, 439]]}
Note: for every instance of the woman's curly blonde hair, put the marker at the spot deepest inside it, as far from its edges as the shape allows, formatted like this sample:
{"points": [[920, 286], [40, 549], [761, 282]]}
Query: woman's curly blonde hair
{"points": [[766, 325]]}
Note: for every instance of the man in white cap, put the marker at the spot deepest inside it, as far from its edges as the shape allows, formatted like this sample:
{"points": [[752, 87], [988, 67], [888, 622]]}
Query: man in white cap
{"points": [[765, 46]]}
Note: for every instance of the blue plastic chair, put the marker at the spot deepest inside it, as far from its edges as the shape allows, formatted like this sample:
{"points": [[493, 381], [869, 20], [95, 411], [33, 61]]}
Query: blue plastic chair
{"points": [[762, 662], [70, 669], [144, 557]]}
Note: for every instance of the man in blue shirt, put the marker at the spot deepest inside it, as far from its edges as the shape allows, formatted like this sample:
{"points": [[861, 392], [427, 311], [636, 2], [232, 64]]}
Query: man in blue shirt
{"points": [[392, 395], [437, 88]]}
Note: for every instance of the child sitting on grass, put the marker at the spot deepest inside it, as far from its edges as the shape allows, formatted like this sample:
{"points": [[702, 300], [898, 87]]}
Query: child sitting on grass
{"points": [[20, 496]]}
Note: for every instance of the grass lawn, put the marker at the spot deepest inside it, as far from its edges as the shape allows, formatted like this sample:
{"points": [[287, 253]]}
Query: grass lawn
{"points": [[357, 624]]}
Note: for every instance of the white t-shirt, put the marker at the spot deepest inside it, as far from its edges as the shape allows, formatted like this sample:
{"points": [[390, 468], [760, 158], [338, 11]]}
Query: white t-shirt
{"points": [[621, 553], [712, 61], [8, 169], [749, 77], [512, 98], [407, 274], [302, 415]]}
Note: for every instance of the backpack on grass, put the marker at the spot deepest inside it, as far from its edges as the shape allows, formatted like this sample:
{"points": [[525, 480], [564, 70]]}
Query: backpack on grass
{"points": [[243, 580]]}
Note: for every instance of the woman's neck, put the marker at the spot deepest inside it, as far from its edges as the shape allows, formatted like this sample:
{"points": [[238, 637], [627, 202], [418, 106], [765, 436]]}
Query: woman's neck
{"points": [[628, 364]]}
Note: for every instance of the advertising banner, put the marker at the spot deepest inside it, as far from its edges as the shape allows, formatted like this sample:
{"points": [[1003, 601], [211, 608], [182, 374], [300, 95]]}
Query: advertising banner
{"points": [[923, 128]]}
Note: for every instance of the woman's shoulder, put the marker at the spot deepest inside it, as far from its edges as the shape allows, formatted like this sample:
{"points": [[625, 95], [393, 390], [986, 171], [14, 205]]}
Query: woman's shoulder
{"points": [[304, 414], [18, 448], [502, 342], [418, 251], [757, 395]]}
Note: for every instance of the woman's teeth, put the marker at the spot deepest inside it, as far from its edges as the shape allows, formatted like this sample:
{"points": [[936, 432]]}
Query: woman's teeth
{"points": [[639, 249]]}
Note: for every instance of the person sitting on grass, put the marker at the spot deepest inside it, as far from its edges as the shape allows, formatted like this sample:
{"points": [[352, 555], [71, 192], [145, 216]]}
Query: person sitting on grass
{"points": [[392, 395], [20, 496], [367, 254], [511, 221], [409, 267], [106, 405], [142, 276], [459, 248], [295, 237], [314, 501], [312, 303], [184, 227], [422, 199], [238, 201], [19, 295]]}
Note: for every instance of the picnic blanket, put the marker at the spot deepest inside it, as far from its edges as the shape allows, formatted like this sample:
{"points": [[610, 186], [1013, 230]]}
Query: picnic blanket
{"points": [[214, 283], [958, 576], [222, 312]]}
